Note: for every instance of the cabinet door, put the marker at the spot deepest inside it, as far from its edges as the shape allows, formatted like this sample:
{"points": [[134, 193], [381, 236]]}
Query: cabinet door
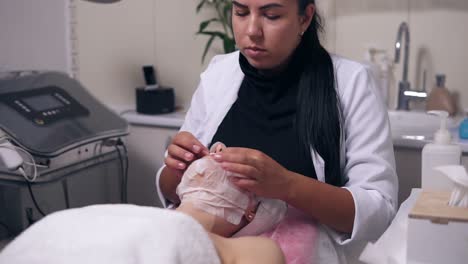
{"points": [[146, 147]]}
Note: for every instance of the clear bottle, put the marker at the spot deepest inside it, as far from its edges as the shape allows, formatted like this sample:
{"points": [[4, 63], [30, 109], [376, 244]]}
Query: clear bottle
{"points": [[381, 68], [441, 152], [386, 70]]}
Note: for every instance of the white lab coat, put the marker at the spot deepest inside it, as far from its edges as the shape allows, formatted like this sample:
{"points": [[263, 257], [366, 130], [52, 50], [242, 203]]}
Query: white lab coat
{"points": [[367, 151]]}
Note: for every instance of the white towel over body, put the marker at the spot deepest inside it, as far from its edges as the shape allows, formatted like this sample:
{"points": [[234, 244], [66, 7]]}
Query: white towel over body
{"points": [[117, 234]]}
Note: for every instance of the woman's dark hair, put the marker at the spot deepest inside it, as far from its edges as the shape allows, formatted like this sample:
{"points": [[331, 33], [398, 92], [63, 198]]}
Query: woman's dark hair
{"points": [[318, 119]]}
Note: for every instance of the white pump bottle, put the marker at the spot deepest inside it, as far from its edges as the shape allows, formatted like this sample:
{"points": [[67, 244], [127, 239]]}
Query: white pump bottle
{"points": [[439, 153]]}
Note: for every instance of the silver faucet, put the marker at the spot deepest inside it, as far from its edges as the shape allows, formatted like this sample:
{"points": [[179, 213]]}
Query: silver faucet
{"points": [[405, 93]]}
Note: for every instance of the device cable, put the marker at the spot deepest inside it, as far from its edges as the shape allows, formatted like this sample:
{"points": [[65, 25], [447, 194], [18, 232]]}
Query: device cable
{"points": [[122, 176], [33, 197], [30, 179], [124, 169], [121, 143], [66, 193], [21, 169], [32, 163]]}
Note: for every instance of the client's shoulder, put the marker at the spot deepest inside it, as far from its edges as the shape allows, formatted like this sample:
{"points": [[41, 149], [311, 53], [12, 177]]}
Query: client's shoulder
{"points": [[266, 250]]}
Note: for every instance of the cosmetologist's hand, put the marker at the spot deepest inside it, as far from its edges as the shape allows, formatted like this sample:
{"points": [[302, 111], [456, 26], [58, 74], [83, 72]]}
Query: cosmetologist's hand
{"points": [[259, 173], [183, 150]]}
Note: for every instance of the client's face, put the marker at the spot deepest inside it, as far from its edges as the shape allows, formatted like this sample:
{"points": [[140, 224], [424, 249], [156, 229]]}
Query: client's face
{"points": [[207, 186], [209, 196]]}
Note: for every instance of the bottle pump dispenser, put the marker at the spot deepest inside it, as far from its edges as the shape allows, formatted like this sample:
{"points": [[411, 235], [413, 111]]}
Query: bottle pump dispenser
{"points": [[439, 153]]}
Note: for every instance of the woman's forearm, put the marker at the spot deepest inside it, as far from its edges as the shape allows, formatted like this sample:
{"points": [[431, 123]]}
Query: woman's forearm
{"points": [[168, 182], [329, 205]]}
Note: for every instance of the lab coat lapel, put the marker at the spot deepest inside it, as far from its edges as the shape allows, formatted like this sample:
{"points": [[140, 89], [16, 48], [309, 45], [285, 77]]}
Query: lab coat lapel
{"points": [[225, 83]]}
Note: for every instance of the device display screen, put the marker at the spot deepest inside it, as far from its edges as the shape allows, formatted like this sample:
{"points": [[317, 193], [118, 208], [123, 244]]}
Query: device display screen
{"points": [[42, 102]]}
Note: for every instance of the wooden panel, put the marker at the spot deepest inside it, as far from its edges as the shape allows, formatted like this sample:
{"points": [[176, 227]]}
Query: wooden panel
{"points": [[434, 206]]}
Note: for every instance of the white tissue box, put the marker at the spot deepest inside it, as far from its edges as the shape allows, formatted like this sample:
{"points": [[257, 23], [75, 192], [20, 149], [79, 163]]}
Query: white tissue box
{"points": [[437, 232]]}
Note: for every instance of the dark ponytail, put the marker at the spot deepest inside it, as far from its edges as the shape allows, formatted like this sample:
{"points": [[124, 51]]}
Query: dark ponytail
{"points": [[318, 119]]}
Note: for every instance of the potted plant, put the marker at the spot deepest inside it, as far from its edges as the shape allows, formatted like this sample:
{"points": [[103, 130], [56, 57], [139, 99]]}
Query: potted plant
{"points": [[221, 20]]}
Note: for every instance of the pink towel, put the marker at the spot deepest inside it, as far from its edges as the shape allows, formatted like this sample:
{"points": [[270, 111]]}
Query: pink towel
{"points": [[296, 235]]}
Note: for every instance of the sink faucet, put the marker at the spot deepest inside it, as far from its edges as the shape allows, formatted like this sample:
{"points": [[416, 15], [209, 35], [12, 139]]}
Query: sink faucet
{"points": [[405, 93]]}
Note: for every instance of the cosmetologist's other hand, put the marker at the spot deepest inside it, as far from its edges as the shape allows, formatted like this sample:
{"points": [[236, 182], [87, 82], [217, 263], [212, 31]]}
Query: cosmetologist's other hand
{"points": [[258, 172], [183, 150]]}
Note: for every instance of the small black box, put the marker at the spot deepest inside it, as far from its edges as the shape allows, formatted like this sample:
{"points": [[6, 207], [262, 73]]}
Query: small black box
{"points": [[155, 101]]}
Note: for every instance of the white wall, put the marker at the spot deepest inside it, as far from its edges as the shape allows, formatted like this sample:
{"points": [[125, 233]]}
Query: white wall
{"points": [[440, 36], [34, 35], [162, 32], [116, 40], [437, 31]]}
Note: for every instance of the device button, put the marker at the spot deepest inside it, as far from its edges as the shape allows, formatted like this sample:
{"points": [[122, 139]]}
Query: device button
{"points": [[39, 121]]}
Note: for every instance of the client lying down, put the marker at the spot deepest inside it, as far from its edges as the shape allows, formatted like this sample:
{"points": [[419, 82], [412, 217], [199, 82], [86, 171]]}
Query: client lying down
{"points": [[207, 195], [136, 234]]}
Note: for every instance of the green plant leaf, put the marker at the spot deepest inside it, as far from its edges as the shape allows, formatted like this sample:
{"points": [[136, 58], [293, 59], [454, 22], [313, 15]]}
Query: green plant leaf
{"points": [[207, 47], [229, 44], [213, 33], [200, 5], [223, 9], [206, 23]]}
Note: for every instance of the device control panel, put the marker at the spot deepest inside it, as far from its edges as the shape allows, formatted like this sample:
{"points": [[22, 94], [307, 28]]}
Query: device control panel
{"points": [[46, 105]]}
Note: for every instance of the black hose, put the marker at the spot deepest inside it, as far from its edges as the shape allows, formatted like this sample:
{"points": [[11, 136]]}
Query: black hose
{"points": [[34, 199]]}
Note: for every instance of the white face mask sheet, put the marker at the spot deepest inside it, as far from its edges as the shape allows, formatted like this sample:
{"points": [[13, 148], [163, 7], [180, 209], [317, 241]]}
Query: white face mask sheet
{"points": [[206, 185]]}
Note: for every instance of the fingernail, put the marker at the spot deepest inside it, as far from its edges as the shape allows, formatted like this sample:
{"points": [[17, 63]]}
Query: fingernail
{"points": [[196, 148], [188, 156], [181, 165], [217, 156]]}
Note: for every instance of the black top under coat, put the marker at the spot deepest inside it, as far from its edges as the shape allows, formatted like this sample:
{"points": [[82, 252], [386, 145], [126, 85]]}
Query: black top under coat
{"points": [[263, 116]]}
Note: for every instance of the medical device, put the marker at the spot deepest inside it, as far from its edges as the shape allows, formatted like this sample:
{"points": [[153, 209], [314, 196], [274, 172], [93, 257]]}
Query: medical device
{"points": [[53, 130], [49, 113]]}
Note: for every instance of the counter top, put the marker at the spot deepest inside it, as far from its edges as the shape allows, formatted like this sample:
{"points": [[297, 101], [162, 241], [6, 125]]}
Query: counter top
{"points": [[170, 120], [418, 141], [176, 119]]}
